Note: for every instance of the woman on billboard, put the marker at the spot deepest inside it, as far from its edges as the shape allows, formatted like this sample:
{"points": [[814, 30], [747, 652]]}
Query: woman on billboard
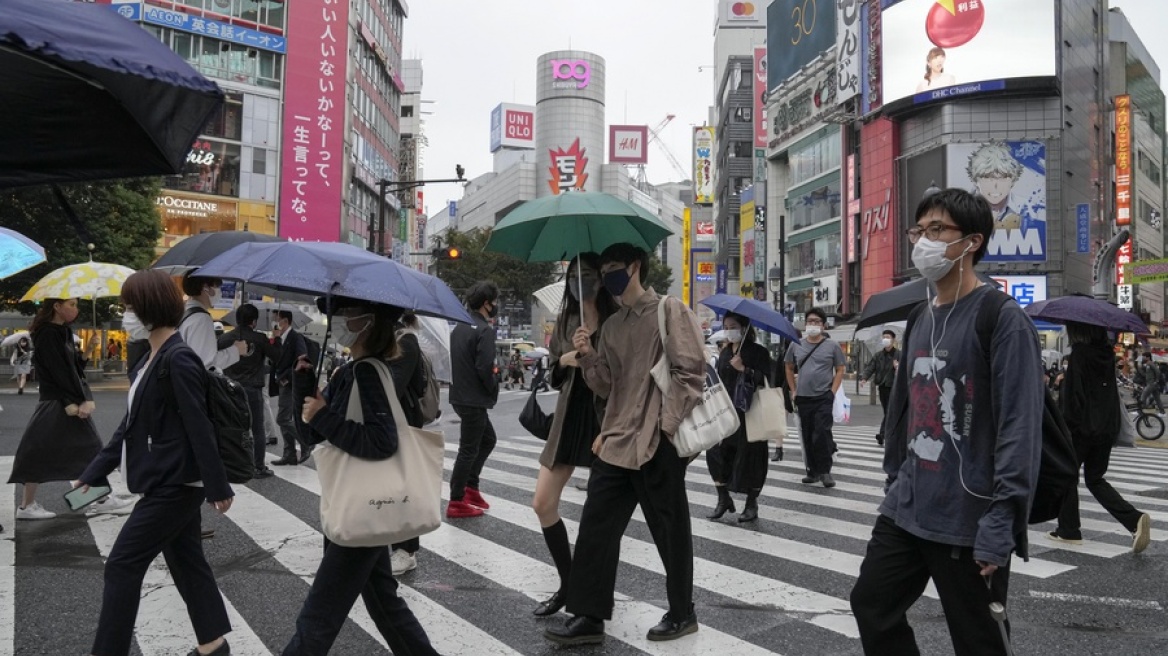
{"points": [[935, 75]]}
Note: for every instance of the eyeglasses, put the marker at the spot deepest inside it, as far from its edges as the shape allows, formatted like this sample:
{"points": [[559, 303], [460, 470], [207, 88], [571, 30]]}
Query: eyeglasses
{"points": [[933, 232]]}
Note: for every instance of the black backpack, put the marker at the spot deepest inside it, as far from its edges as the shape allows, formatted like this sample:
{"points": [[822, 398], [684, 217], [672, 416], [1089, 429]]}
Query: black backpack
{"points": [[230, 415], [1058, 471]]}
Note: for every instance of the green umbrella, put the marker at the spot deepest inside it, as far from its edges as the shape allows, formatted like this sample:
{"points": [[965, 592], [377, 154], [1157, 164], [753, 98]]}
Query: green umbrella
{"points": [[557, 228]]}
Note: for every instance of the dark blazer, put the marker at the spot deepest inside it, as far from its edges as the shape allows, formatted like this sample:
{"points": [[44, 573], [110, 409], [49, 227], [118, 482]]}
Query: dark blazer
{"points": [[166, 445], [290, 350], [409, 377], [472, 363], [249, 371], [59, 371]]}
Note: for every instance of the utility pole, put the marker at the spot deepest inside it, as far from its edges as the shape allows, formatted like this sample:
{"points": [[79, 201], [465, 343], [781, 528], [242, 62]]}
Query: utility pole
{"points": [[377, 241]]}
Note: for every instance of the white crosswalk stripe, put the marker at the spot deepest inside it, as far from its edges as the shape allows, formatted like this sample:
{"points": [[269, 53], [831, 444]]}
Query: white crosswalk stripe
{"points": [[793, 568]]}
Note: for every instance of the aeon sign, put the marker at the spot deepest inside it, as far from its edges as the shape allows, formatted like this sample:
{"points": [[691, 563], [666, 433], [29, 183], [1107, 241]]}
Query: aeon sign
{"points": [[571, 73]]}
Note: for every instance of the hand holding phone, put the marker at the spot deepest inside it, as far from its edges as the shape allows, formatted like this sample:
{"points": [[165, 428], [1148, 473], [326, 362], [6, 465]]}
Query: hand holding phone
{"points": [[83, 495]]}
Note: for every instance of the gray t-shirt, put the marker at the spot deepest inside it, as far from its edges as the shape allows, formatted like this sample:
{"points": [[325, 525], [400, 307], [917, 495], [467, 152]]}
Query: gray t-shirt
{"points": [[815, 376]]}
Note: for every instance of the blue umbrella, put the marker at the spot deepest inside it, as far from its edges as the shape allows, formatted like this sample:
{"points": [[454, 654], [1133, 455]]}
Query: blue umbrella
{"points": [[86, 95], [18, 253], [338, 269], [760, 314], [1088, 310]]}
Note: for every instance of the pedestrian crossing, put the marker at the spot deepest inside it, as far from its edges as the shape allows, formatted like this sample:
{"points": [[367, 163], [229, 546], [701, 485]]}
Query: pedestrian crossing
{"points": [[776, 586]]}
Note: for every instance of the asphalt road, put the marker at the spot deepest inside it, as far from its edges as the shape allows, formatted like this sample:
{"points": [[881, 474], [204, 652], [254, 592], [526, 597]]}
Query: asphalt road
{"points": [[778, 586]]}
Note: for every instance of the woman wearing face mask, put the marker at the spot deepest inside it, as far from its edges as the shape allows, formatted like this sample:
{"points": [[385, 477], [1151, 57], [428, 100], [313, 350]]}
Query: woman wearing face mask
{"points": [[345, 573], [737, 465], [22, 363], [61, 438], [577, 419]]}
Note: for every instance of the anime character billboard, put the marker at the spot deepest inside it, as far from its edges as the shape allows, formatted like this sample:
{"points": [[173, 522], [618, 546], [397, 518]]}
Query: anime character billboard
{"points": [[1011, 175]]}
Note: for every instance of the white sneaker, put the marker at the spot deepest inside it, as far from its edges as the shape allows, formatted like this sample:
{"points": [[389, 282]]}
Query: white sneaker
{"points": [[112, 505], [34, 511], [1143, 534], [402, 561]]}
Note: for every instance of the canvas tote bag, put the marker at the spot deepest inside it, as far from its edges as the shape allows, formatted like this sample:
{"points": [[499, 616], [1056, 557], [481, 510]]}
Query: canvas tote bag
{"points": [[713, 420], [373, 503], [767, 418]]}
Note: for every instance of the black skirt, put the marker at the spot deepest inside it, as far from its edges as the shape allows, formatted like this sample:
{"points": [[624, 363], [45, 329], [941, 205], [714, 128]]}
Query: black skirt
{"points": [[581, 426], [55, 446]]}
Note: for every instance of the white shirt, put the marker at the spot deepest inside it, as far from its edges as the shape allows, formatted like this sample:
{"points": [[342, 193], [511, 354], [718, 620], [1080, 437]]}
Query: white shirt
{"points": [[198, 332]]}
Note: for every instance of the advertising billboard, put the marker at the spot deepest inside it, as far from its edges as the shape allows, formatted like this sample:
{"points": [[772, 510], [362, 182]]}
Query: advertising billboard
{"points": [[1146, 271], [1123, 158], [704, 231], [312, 185], [746, 238], [738, 13], [703, 149], [847, 49], [512, 126], [569, 168], [628, 144], [760, 96], [949, 48], [1024, 289], [870, 44], [1011, 175], [798, 31]]}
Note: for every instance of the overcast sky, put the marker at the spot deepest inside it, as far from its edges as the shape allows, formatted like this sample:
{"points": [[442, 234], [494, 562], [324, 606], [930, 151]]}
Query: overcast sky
{"points": [[478, 53]]}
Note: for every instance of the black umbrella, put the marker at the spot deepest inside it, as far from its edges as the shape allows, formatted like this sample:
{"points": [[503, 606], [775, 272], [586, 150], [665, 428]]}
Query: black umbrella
{"points": [[896, 303], [194, 252], [87, 95]]}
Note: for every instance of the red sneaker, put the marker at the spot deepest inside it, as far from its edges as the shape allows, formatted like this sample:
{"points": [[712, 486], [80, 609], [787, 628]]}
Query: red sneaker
{"points": [[475, 498], [460, 509]]}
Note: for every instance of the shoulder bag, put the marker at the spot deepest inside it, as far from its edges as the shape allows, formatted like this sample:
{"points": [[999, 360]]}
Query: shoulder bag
{"points": [[372, 503], [712, 420], [532, 417], [767, 418]]}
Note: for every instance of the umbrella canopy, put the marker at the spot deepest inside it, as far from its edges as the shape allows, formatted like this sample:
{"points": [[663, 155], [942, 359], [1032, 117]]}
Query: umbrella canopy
{"points": [[552, 296], [15, 337], [18, 253], [895, 304], [719, 336], [760, 314], [89, 280], [194, 252], [87, 95], [538, 351], [1088, 310], [267, 310], [557, 228], [338, 269], [434, 339]]}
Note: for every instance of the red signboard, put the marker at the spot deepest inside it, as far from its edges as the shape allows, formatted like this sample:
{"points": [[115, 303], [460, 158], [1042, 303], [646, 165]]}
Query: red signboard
{"points": [[1122, 259], [878, 226], [1123, 145], [760, 92]]}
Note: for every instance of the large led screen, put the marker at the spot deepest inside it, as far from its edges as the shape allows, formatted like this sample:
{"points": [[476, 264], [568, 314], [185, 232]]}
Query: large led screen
{"points": [[939, 49]]}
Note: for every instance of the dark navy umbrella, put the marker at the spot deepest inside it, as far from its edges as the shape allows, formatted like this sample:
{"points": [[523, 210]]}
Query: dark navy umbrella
{"points": [[760, 314], [337, 269], [86, 95], [1088, 310], [194, 252]]}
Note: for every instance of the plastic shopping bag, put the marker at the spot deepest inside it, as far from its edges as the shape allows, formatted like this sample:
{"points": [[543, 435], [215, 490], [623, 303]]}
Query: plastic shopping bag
{"points": [[841, 410]]}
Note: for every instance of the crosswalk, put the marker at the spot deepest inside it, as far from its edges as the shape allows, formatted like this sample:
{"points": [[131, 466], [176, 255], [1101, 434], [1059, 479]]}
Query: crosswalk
{"points": [[777, 586]]}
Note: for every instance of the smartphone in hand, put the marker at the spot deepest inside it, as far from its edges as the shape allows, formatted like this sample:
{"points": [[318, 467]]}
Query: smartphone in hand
{"points": [[77, 499]]}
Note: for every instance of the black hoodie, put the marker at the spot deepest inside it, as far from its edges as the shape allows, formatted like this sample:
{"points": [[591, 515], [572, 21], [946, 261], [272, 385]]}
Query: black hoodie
{"points": [[1089, 400]]}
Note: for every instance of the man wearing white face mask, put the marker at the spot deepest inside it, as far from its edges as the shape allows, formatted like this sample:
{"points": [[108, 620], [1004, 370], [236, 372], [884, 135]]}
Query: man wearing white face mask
{"points": [[881, 370], [963, 445], [819, 364], [198, 330]]}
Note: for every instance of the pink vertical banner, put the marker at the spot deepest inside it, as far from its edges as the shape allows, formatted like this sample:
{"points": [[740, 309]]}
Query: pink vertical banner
{"points": [[312, 160], [760, 92]]}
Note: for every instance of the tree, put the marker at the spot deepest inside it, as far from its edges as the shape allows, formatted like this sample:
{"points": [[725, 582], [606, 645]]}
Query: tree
{"points": [[660, 276], [118, 217], [516, 278]]}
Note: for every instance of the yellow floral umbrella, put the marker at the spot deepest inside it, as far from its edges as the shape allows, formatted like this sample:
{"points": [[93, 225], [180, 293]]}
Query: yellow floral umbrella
{"points": [[90, 280]]}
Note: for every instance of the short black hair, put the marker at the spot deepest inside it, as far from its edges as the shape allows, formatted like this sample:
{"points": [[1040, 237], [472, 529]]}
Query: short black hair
{"points": [[626, 254], [247, 315], [889, 333], [193, 285], [285, 314], [970, 213], [480, 293], [817, 312]]}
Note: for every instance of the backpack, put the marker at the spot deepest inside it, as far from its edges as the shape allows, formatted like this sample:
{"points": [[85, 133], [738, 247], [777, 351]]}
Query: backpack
{"points": [[229, 413], [428, 398], [1058, 470]]}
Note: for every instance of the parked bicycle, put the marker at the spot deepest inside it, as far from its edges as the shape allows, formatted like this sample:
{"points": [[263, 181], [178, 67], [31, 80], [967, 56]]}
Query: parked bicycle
{"points": [[1149, 424]]}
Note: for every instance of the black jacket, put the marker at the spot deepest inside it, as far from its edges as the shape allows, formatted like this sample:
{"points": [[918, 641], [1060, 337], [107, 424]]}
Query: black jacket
{"points": [[60, 370], [290, 349], [754, 357], [376, 437], [472, 363], [881, 369], [249, 371], [1088, 398], [166, 445], [409, 377]]}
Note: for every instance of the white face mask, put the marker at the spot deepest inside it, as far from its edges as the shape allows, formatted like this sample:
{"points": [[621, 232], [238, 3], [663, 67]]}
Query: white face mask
{"points": [[212, 293], [734, 336], [346, 337], [886, 342], [134, 327], [928, 257], [814, 331]]}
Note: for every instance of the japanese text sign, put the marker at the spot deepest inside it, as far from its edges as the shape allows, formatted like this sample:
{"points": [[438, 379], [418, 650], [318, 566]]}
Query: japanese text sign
{"points": [[1123, 144]]}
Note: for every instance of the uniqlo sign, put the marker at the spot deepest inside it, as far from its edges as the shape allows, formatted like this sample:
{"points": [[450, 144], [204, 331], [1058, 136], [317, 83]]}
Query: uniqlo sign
{"points": [[512, 126]]}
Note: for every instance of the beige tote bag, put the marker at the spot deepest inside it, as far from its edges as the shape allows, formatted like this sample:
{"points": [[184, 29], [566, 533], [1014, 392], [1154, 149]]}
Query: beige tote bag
{"points": [[373, 503], [767, 418]]}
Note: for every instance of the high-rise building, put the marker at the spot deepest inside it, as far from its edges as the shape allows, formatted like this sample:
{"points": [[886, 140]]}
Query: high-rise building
{"points": [[410, 236]]}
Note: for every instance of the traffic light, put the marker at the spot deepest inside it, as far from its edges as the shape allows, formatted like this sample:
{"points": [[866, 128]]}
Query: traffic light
{"points": [[449, 253]]}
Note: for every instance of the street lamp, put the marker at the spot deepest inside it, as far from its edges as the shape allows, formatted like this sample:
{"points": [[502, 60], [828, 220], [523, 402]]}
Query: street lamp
{"points": [[377, 236], [775, 282]]}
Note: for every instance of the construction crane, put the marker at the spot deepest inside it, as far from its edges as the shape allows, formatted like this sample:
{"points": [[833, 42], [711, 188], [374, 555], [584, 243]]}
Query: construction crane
{"points": [[655, 137]]}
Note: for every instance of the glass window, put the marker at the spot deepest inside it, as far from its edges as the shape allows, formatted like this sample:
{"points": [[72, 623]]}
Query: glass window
{"points": [[815, 206], [815, 255], [183, 45], [212, 167], [815, 159], [259, 160], [227, 121]]}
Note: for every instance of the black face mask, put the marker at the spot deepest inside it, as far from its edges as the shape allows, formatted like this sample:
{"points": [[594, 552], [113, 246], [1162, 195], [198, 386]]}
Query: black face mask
{"points": [[616, 282], [493, 311]]}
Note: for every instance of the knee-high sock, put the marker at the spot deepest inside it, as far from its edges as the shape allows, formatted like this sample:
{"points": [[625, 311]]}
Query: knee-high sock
{"points": [[556, 537]]}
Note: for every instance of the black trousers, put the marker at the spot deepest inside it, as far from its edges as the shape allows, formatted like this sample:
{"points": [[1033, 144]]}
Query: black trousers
{"points": [[344, 574], [476, 441], [288, 418], [167, 521], [815, 422], [259, 439], [893, 576], [738, 463], [1095, 458], [883, 392], [613, 493]]}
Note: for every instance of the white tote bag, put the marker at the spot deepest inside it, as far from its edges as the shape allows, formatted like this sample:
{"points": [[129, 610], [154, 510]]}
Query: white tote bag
{"points": [[841, 407], [767, 418], [373, 503], [713, 420]]}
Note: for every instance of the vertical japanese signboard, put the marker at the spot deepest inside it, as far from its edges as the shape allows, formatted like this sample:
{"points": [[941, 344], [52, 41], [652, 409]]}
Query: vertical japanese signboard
{"points": [[760, 95], [703, 144], [1082, 228], [312, 162], [686, 249], [847, 49], [1123, 143]]}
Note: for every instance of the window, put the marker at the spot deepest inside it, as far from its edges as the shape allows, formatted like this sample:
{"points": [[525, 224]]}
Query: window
{"points": [[743, 115], [407, 111], [259, 161], [815, 159], [815, 255], [815, 206], [1148, 167], [227, 121], [212, 167]]}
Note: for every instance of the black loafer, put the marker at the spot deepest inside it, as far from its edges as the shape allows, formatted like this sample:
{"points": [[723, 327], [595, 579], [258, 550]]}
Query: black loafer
{"points": [[263, 473], [305, 455], [552, 605], [286, 460], [667, 629], [579, 630], [223, 650], [271, 441]]}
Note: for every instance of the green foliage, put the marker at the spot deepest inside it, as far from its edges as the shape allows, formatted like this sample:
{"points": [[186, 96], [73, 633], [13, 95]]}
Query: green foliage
{"points": [[475, 264], [660, 276], [118, 217]]}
